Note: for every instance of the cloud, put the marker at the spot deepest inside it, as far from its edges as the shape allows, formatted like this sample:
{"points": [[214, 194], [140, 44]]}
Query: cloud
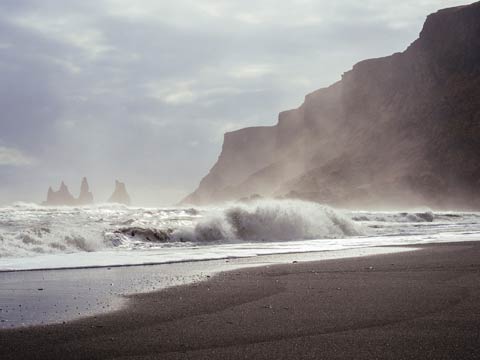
{"points": [[251, 71], [144, 90], [72, 30], [175, 93], [13, 157]]}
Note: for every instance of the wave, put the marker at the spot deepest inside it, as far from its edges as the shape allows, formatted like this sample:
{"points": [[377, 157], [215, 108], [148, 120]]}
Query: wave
{"points": [[35, 206], [26, 205], [403, 217], [29, 229], [49, 240], [265, 220]]}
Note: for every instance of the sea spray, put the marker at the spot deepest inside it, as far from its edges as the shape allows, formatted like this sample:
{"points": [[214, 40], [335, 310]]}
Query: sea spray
{"points": [[270, 220], [28, 230]]}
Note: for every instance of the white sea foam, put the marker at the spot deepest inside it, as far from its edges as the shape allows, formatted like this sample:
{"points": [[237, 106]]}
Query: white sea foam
{"points": [[29, 229], [104, 234], [269, 220]]}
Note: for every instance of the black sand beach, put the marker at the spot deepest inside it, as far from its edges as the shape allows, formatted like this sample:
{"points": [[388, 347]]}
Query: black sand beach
{"points": [[414, 305]]}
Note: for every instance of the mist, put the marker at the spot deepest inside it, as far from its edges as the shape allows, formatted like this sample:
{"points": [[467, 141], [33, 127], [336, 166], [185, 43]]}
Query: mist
{"points": [[144, 92]]}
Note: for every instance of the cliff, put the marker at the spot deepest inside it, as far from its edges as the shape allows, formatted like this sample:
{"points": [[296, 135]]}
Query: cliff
{"points": [[401, 130]]}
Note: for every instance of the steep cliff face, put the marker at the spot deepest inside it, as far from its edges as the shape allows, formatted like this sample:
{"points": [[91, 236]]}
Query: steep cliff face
{"points": [[244, 152], [399, 130]]}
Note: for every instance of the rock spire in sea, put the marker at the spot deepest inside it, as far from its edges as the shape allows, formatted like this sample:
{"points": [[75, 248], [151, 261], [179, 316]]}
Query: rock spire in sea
{"points": [[120, 194], [86, 197], [60, 197], [63, 197]]}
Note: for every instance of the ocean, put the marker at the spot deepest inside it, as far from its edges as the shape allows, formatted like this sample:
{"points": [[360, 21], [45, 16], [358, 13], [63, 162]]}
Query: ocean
{"points": [[37, 237]]}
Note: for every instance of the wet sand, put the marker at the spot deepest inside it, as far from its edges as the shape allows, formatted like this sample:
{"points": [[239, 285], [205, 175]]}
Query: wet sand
{"points": [[412, 305], [41, 297]]}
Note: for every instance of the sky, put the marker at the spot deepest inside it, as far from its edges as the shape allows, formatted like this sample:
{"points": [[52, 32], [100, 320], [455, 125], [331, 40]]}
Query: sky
{"points": [[143, 91]]}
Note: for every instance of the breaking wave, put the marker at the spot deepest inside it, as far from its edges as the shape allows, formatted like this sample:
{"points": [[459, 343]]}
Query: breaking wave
{"points": [[27, 230], [267, 220], [403, 217], [270, 221]]}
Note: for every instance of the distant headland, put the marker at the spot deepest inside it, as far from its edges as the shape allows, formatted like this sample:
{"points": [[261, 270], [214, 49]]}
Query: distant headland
{"points": [[63, 196]]}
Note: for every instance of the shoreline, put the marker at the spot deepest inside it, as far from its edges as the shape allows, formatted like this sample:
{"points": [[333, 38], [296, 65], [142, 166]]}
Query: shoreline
{"points": [[228, 258], [415, 304], [42, 297]]}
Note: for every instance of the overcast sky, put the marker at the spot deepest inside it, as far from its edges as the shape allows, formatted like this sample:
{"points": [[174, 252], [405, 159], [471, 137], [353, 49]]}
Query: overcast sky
{"points": [[143, 90]]}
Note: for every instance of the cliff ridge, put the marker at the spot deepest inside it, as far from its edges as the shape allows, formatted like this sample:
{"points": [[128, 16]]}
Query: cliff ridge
{"points": [[400, 130]]}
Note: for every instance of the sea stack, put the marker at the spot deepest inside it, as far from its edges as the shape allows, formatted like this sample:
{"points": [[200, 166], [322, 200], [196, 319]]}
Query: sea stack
{"points": [[63, 197], [120, 194], [86, 197], [60, 197]]}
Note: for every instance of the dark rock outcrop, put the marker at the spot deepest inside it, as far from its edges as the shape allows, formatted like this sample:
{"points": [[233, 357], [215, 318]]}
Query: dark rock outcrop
{"points": [[120, 194], [146, 234], [401, 130]]}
